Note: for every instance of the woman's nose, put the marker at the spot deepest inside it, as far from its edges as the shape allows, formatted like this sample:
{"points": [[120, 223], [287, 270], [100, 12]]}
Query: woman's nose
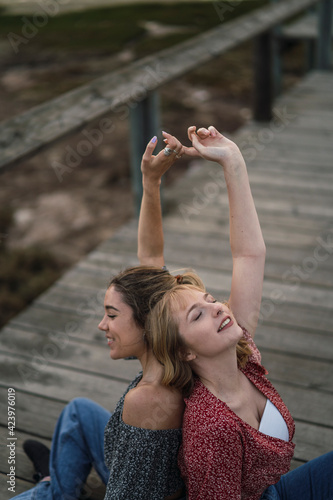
{"points": [[102, 325], [217, 310]]}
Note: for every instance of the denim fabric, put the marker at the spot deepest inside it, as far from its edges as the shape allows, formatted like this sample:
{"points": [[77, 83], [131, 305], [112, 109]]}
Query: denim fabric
{"points": [[270, 494], [311, 481], [77, 445]]}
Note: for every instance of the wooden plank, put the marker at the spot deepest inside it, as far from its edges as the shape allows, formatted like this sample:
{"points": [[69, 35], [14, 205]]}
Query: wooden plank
{"points": [[281, 263], [63, 383], [280, 191], [306, 405], [300, 371], [273, 235], [312, 441], [275, 269], [217, 244], [312, 343], [285, 315], [36, 415], [71, 351]]}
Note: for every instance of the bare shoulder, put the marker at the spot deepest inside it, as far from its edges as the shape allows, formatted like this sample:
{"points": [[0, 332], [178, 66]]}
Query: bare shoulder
{"points": [[153, 407]]}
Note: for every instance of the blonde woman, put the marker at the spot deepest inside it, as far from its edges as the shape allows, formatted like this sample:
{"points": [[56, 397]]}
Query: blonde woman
{"points": [[237, 432]]}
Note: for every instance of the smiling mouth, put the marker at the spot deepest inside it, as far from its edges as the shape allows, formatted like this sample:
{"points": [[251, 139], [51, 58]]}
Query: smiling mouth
{"points": [[109, 340], [224, 323]]}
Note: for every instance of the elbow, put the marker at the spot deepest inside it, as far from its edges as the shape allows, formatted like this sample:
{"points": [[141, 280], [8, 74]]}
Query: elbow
{"points": [[254, 251], [262, 249], [259, 248], [259, 252]]}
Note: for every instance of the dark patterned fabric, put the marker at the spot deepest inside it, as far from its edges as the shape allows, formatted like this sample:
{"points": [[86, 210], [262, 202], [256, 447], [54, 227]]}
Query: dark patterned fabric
{"points": [[142, 462]]}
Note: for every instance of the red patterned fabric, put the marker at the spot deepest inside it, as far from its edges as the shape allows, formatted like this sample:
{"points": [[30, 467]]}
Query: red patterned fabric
{"points": [[222, 457]]}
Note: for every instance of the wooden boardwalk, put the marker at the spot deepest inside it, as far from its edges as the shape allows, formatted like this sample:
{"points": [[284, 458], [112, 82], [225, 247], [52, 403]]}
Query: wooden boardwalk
{"points": [[53, 351]]}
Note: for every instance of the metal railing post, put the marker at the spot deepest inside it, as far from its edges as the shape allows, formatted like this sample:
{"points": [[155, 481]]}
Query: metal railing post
{"points": [[324, 49], [144, 124], [276, 58], [263, 78]]}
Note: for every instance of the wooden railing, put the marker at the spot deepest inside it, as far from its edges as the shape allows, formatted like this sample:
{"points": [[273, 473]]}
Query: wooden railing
{"points": [[131, 93]]}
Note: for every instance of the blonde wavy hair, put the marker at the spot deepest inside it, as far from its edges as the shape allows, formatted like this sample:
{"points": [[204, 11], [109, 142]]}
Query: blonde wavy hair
{"points": [[168, 346]]}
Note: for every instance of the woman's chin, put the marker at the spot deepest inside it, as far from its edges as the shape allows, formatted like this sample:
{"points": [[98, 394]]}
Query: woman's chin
{"points": [[114, 355]]}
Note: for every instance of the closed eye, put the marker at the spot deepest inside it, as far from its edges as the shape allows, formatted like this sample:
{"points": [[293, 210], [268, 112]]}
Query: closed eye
{"points": [[197, 317]]}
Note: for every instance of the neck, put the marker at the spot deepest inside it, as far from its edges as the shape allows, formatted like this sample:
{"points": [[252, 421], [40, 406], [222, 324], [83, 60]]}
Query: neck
{"points": [[220, 375], [152, 370]]}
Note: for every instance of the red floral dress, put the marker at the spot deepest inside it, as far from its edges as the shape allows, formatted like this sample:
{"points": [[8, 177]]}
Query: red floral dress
{"points": [[222, 457]]}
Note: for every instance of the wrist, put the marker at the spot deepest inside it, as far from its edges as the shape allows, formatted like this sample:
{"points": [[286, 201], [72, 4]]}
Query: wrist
{"points": [[151, 184], [232, 160]]}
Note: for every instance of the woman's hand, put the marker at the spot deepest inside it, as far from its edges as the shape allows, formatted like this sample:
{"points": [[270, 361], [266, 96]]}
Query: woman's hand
{"points": [[211, 145], [153, 167]]}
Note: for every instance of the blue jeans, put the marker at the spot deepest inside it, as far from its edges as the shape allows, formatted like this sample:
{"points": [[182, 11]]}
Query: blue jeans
{"points": [[77, 445], [311, 481]]}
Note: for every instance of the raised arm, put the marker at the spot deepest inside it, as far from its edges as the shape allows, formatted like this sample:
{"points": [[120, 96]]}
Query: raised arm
{"points": [[150, 230], [246, 240]]}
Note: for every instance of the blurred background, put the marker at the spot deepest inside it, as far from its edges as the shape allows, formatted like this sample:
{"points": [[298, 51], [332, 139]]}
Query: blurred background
{"points": [[49, 47]]}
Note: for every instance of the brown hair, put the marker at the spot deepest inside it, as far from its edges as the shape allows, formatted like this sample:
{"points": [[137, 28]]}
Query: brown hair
{"points": [[142, 287], [169, 347]]}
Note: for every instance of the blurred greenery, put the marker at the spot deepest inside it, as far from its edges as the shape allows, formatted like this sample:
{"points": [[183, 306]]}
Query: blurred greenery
{"points": [[112, 29]]}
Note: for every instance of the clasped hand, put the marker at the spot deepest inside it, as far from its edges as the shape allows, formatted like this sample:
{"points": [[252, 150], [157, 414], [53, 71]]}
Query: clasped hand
{"points": [[209, 144]]}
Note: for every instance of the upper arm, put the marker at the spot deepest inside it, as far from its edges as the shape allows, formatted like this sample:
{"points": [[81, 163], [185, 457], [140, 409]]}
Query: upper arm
{"points": [[153, 408], [246, 290]]}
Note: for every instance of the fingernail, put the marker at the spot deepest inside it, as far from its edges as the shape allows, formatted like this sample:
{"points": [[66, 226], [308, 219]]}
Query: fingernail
{"points": [[154, 139]]}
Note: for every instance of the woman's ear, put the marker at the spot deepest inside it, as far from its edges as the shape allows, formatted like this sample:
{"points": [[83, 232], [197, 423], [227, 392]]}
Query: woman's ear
{"points": [[187, 355]]}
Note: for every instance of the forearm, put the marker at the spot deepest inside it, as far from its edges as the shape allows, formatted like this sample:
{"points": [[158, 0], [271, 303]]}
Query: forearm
{"points": [[150, 230], [246, 238]]}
